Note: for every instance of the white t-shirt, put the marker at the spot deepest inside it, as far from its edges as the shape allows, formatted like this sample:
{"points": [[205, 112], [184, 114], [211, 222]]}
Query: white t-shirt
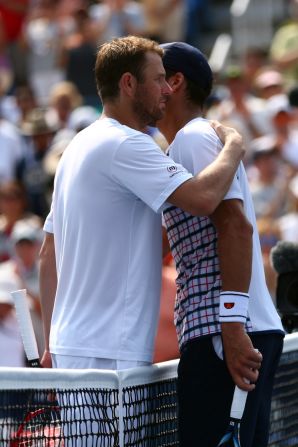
{"points": [[110, 185], [195, 147]]}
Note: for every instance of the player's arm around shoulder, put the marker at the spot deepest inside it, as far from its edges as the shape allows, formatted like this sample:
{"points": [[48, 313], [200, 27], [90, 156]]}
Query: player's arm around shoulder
{"points": [[234, 247], [201, 195]]}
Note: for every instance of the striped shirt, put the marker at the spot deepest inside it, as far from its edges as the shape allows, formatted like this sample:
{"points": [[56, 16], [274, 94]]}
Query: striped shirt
{"points": [[193, 243]]}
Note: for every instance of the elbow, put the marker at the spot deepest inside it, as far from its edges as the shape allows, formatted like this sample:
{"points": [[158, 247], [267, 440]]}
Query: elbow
{"points": [[241, 228], [43, 253], [201, 209], [205, 206], [245, 228], [47, 251]]}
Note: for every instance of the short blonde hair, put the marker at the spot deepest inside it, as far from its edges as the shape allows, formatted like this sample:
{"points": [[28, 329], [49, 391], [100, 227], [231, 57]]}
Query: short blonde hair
{"points": [[121, 55]]}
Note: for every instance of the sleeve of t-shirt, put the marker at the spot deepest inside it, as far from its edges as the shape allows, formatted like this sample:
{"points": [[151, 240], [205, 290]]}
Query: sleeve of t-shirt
{"points": [[48, 226], [140, 166], [196, 153]]}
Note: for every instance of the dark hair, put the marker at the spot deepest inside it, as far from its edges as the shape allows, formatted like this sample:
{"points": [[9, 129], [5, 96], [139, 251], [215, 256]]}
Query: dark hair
{"points": [[293, 96], [195, 93], [121, 55]]}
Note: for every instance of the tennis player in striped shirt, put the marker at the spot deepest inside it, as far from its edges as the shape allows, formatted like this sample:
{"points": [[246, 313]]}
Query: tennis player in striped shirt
{"points": [[223, 311]]}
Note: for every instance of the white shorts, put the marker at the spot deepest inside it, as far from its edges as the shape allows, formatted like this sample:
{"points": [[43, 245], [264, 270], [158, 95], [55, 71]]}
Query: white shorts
{"points": [[75, 362], [76, 411]]}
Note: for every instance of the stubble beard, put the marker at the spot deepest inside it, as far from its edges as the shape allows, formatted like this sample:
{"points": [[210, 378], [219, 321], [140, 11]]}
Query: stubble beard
{"points": [[145, 116]]}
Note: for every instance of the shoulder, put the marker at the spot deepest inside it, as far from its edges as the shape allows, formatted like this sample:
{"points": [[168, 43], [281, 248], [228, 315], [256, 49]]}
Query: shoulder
{"points": [[197, 135], [198, 128], [135, 138]]}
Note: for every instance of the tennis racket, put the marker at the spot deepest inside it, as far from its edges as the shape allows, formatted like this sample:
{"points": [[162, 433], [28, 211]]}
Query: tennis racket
{"points": [[232, 435], [36, 428], [26, 327]]}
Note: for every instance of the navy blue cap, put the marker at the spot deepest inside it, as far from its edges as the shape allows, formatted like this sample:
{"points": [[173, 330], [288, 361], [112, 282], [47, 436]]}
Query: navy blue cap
{"points": [[184, 58]]}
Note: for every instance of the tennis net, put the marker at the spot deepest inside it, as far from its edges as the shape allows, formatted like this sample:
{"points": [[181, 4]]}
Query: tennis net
{"points": [[136, 407]]}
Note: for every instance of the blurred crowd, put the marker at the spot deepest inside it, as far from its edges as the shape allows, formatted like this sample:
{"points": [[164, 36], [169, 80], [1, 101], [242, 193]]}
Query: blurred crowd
{"points": [[48, 94]]}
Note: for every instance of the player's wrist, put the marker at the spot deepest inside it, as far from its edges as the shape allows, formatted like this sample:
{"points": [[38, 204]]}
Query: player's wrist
{"points": [[233, 307]]}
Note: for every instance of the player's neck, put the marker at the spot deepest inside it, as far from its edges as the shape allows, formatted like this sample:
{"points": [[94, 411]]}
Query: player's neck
{"points": [[123, 116], [176, 119]]}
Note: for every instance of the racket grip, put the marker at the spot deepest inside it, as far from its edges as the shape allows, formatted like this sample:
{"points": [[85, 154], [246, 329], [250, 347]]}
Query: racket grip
{"points": [[26, 327], [238, 403]]}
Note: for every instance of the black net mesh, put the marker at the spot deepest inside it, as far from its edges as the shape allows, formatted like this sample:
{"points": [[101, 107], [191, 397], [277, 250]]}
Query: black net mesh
{"points": [[284, 407], [136, 416], [52, 418], [150, 414]]}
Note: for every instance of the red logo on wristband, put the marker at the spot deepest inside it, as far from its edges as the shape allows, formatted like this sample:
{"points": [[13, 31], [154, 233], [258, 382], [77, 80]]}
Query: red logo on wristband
{"points": [[229, 305]]}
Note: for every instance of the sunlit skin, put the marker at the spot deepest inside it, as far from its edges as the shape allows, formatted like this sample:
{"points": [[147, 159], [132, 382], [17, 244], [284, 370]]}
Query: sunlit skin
{"points": [[152, 94], [141, 102]]}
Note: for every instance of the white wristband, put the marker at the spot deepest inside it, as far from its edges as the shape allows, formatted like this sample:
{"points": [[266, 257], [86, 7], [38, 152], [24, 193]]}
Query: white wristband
{"points": [[233, 307]]}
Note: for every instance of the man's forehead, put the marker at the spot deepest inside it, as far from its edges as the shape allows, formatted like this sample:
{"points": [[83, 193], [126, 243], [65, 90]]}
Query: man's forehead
{"points": [[153, 61]]}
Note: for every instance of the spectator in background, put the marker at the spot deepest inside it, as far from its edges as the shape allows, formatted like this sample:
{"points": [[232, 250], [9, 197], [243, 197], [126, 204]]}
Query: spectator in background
{"points": [[240, 109], [284, 46], [25, 102], [79, 118], [283, 121], [269, 234], [11, 150], [79, 50], [13, 207], [117, 18], [13, 14], [198, 19], [38, 131], [253, 59], [268, 178], [293, 97], [23, 267], [268, 85], [293, 102], [288, 223], [82, 117], [11, 346], [67, 7], [268, 82], [165, 19], [64, 97], [43, 37], [16, 106], [6, 70]]}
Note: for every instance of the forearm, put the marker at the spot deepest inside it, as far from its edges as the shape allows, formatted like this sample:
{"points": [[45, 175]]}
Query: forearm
{"points": [[234, 251], [218, 176], [235, 257], [216, 179], [48, 285], [202, 194], [235, 260]]}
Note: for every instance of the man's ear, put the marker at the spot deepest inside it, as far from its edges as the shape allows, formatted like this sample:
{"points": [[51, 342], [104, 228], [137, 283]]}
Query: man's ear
{"points": [[175, 81], [127, 84]]}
